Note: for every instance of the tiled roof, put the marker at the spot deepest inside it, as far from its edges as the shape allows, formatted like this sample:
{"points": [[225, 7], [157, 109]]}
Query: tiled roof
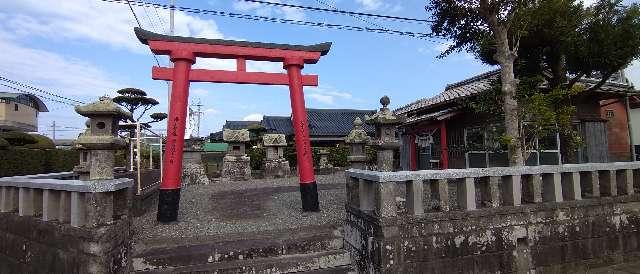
{"points": [[322, 122], [239, 124], [277, 124], [482, 82], [460, 89], [336, 122]]}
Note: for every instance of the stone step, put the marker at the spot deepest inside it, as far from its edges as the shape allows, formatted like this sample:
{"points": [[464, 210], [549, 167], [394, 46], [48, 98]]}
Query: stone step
{"points": [[240, 247], [326, 262]]}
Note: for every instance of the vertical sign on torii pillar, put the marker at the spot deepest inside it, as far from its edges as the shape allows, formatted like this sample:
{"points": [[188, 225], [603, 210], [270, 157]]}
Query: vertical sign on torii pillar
{"points": [[183, 51]]}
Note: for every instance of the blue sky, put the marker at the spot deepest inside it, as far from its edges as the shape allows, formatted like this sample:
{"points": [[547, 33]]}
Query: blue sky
{"points": [[84, 49]]}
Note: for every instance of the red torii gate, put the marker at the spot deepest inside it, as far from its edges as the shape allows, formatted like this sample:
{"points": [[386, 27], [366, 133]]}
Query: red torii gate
{"points": [[183, 51]]}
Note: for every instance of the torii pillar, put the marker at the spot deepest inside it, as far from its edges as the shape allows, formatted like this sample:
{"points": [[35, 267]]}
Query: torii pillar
{"points": [[183, 52]]}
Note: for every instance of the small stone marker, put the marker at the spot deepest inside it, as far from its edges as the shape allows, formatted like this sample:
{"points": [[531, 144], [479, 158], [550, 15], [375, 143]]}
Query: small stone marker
{"points": [[236, 164], [275, 165]]}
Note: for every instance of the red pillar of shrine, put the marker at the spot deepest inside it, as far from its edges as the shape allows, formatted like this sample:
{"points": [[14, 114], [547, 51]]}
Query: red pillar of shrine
{"points": [[169, 195], [308, 186], [443, 146], [413, 153]]}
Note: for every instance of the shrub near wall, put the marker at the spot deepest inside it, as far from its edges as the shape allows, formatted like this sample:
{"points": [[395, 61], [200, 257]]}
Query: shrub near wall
{"points": [[15, 162]]}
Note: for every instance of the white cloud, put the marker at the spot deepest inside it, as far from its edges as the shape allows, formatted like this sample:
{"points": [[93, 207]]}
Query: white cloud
{"points": [[54, 72], [269, 10], [253, 117], [370, 4], [633, 73], [326, 95], [95, 21], [326, 99], [211, 111], [377, 5]]}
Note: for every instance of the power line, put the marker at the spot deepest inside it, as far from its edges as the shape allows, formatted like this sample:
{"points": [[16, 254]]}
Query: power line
{"points": [[146, 14], [352, 15], [14, 82], [278, 20], [39, 96], [140, 25], [397, 18], [164, 29]]}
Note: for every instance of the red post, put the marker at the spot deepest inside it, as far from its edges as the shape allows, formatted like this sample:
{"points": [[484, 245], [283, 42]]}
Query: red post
{"points": [[443, 146], [308, 187], [169, 196], [413, 151]]}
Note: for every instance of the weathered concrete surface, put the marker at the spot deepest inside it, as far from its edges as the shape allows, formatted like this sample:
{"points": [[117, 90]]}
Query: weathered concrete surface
{"points": [[247, 227], [30, 245], [568, 237]]}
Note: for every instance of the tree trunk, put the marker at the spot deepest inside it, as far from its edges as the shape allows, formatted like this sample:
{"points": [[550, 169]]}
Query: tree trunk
{"points": [[506, 57]]}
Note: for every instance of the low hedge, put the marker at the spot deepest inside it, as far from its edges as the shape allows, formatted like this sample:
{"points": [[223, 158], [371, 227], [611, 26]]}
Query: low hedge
{"points": [[15, 162]]}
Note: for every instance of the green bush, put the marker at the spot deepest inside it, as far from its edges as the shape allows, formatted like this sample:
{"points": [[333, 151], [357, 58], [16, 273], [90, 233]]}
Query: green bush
{"points": [[372, 155], [290, 154], [16, 138], [338, 156], [42, 142], [257, 154], [22, 161], [4, 144]]}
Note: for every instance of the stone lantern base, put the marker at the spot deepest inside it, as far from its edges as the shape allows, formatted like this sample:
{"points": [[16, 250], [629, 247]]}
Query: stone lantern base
{"points": [[236, 168], [277, 168]]}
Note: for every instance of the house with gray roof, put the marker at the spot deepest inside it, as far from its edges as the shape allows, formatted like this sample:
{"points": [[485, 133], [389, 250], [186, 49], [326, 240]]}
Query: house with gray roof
{"points": [[327, 127], [19, 111], [441, 133]]}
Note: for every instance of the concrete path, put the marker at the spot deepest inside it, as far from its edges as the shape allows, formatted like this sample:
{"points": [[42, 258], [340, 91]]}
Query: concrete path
{"points": [[628, 268]]}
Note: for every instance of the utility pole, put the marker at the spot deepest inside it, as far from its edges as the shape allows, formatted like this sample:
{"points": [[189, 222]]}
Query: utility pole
{"points": [[53, 128], [172, 6], [199, 113]]}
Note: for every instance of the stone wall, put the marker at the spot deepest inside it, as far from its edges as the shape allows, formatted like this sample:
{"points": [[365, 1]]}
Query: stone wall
{"points": [[30, 245], [548, 238], [543, 219]]}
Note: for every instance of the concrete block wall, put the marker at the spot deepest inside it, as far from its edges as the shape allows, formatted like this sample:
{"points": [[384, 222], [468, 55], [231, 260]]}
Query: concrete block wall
{"points": [[554, 219], [48, 225], [31, 245]]}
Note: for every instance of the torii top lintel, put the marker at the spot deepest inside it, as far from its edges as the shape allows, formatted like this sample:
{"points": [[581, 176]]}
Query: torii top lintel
{"points": [[191, 47], [231, 49]]}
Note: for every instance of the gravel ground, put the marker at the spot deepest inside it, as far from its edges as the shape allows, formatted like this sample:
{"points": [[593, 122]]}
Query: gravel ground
{"points": [[238, 207]]}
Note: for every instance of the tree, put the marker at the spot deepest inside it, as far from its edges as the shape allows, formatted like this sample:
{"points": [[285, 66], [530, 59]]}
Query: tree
{"points": [[470, 23], [133, 99], [561, 44], [557, 43]]}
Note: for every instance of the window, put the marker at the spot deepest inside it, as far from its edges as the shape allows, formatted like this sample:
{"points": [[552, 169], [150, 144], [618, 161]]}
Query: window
{"points": [[15, 107], [610, 113]]}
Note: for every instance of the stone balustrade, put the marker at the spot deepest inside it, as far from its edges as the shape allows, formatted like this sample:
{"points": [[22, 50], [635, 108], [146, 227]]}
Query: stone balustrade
{"points": [[476, 188], [78, 203]]}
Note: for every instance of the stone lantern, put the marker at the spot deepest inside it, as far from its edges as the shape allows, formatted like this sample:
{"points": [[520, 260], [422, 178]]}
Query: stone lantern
{"points": [[236, 165], [386, 124], [275, 164], [357, 139], [101, 138], [82, 169], [323, 163]]}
